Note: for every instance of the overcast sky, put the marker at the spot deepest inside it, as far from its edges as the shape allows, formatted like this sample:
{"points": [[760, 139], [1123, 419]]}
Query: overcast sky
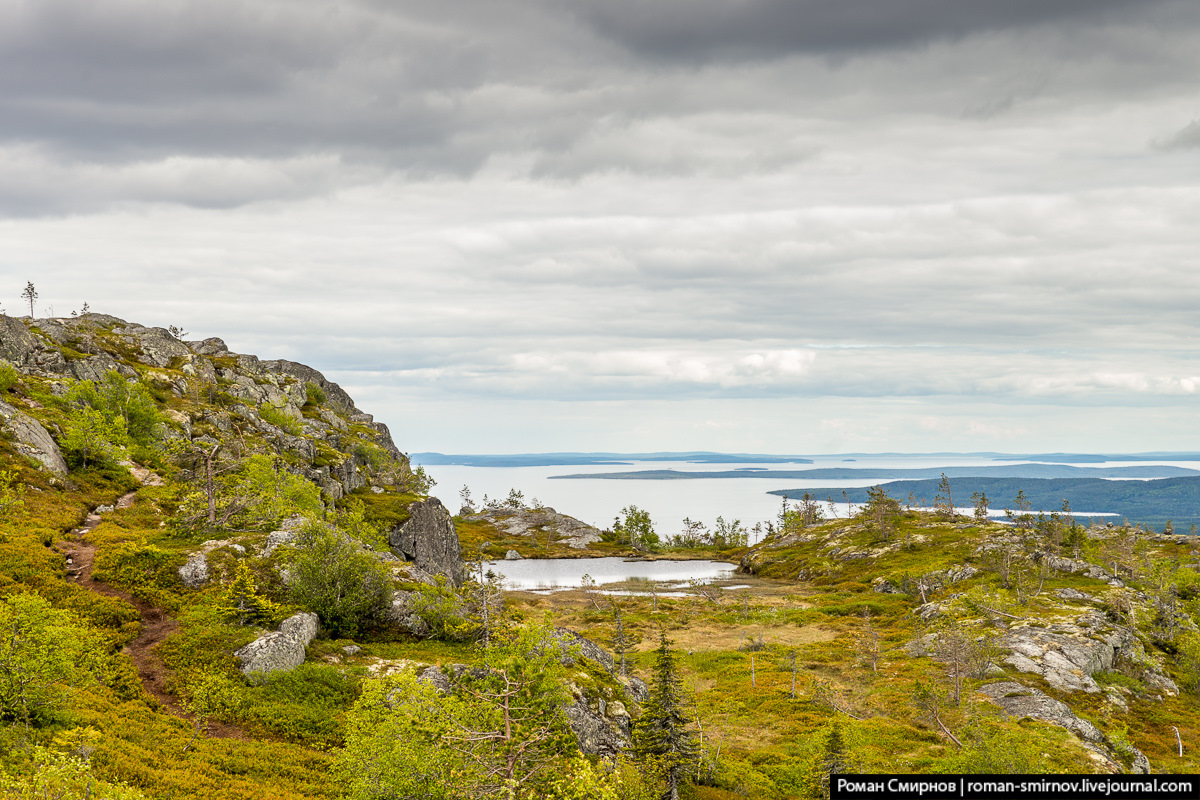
{"points": [[745, 225]]}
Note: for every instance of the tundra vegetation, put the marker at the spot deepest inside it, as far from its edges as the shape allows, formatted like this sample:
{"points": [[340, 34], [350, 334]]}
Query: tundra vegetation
{"points": [[187, 519]]}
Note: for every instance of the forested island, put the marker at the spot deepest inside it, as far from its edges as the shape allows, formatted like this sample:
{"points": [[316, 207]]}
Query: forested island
{"points": [[220, 578]]}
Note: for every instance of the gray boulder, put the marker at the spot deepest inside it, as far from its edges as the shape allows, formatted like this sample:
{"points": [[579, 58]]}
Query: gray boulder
{"points": [[512, 555], [194, 573], [428, 539], [401, 614], [280, 650], [32, 439]]}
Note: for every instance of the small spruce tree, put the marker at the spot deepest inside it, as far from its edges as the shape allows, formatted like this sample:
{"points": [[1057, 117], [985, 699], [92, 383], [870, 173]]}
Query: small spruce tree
{"points": [[243, 601], [661, 734]]}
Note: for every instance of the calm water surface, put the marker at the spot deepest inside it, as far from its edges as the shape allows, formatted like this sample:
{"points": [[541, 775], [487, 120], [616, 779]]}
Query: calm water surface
{"points": [[548, 573]]}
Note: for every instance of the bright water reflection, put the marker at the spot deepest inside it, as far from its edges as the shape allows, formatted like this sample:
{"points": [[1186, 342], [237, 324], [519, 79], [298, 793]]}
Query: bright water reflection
{"points": [[546, 573]]}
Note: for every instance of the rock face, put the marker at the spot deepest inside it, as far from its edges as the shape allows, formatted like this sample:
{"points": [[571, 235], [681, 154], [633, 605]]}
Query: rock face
{"points": [[600, 727], [280, 650], [1024, 701], [1068, 655], [32, 439], [568, 640], [428, 539], [540, 523], [333, 444]]}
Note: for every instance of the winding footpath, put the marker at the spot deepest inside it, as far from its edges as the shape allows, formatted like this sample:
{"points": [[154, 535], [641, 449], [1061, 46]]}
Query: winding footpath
{"points": [[156, 625]]}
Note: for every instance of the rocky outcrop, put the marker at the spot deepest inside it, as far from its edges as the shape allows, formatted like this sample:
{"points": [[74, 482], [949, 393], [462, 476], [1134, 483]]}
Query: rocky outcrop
{"points": [[541, 524], [570, 643], [32, 440], [1021, 702], [428, 539], [1067, 655], [601, 727], [280, 650]]}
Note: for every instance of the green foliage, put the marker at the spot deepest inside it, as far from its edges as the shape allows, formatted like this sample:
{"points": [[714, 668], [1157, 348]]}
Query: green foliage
{"points": [[91, 437], [144, 570], [499, 735], [12, 492], [62, 776], [661, 735], [637, 529], [243, 602], [268, 493], [8, 376], [333, 576], [442, 610], [45, 654], [280, 419], [314, 394]]}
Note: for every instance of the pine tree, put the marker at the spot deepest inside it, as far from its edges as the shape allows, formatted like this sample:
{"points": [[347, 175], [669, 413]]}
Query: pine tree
{"points": [[661, 734]]}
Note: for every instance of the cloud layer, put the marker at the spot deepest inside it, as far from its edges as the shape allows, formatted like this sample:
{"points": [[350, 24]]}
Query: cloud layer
{"points": [[925, 224]]}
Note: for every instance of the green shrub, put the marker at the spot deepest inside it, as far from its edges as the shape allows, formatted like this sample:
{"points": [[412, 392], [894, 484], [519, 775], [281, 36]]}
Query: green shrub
{"points": [[45, 654], [314, 393], [334, 577], [8, 376], [280, 419]]}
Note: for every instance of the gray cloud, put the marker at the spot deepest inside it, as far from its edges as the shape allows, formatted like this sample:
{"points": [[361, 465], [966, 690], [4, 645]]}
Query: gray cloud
{"points": [[686, 29]]}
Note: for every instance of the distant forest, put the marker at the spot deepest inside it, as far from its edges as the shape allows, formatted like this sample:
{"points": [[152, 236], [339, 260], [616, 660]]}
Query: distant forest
{"points": [[1141, 502]]}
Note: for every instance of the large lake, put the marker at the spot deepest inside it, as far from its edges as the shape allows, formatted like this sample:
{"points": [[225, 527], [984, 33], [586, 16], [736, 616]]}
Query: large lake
{"points": [[597, 501]]}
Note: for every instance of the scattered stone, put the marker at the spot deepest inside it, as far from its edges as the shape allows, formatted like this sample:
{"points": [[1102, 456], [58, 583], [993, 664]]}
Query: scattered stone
{"points": [[886, 587], [351, 649], [1075, 594], [512, 555], [280, 650], [402, 614]]}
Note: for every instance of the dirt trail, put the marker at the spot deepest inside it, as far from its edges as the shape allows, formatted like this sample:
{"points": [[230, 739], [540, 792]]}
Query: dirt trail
{"points": [[156, 625]]}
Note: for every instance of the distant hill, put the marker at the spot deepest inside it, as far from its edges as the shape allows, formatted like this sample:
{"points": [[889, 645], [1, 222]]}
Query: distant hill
{"points": [[584, 459], [886, 474], [1142, 502]]}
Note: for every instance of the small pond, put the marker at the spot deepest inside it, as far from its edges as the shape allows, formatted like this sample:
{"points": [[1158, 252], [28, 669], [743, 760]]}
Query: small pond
{"points": [[548, 573]]}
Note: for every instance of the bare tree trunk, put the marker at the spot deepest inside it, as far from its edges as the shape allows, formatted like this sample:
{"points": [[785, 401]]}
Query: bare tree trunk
{"points": [[208, 470]]}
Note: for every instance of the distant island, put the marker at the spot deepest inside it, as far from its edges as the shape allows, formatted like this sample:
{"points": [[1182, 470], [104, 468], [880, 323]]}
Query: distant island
{"points": [[585, 459], [1141, 502], [889, 474]]}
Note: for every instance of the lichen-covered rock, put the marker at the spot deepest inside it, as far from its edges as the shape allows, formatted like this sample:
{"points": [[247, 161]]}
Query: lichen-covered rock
{"points": [[512, 555], [402, 614], [194, 573], [598, 733], [539, 523], [280, 650], [570, 641], [428, 539], [434, 677], [1024, 701], [32, 439]]}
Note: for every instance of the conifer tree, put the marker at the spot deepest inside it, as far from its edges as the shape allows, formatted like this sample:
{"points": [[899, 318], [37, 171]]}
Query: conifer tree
{"points": [[243, 601], [661, 734]]}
